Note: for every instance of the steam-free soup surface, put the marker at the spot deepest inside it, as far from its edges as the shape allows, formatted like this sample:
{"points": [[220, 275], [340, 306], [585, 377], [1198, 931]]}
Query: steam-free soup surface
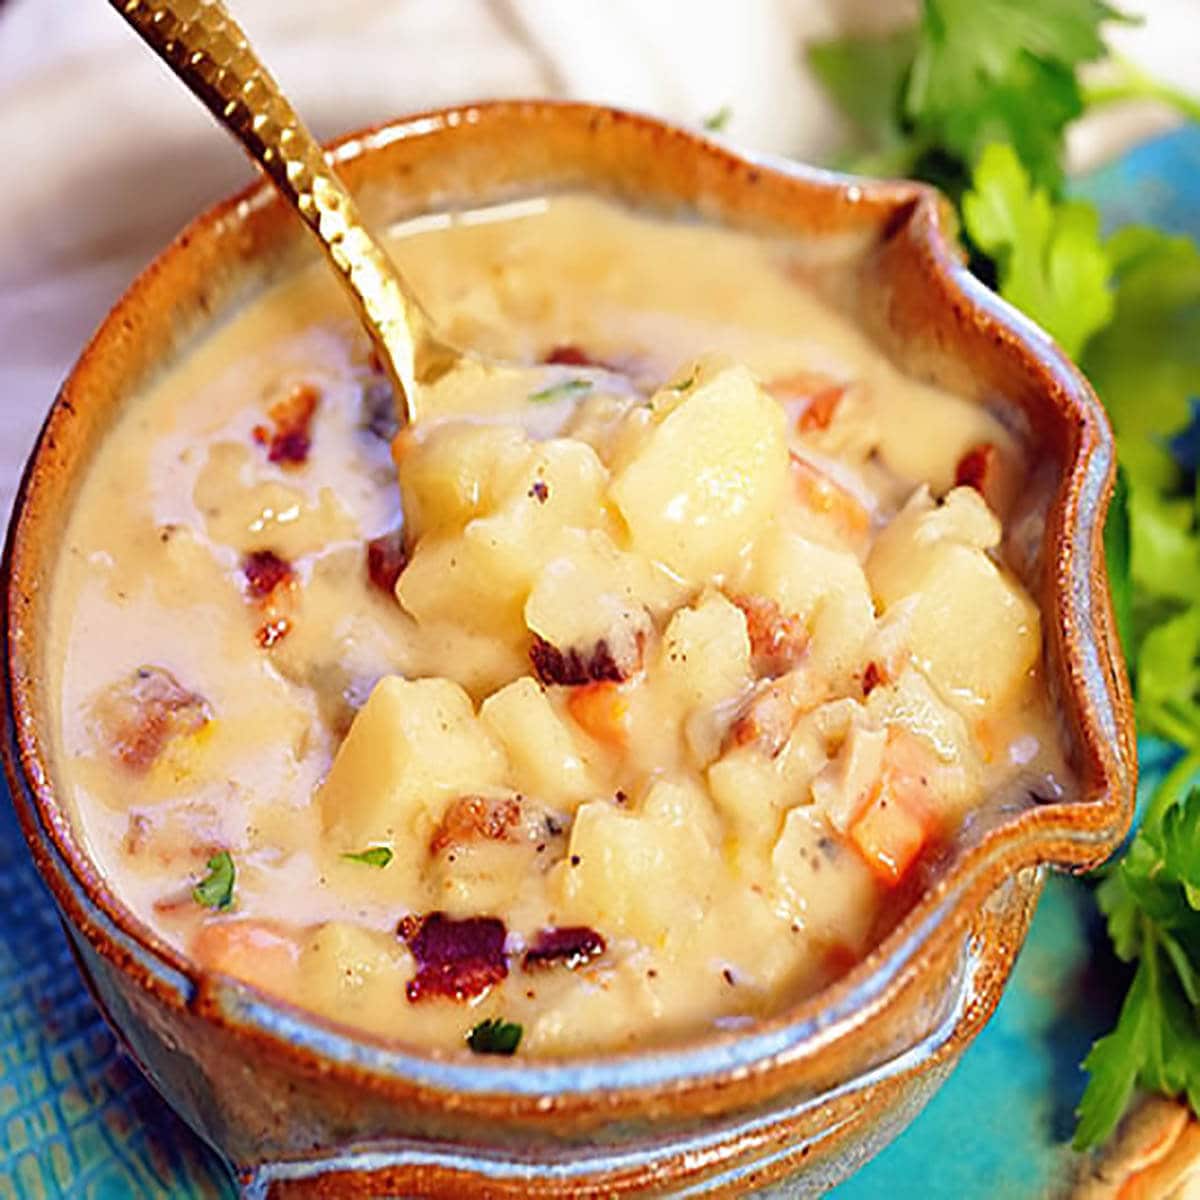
{"points": [[629, 708]]}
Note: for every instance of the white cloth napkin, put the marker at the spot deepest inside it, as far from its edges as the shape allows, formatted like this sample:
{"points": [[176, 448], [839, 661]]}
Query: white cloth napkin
{"points": [[105, 156]]}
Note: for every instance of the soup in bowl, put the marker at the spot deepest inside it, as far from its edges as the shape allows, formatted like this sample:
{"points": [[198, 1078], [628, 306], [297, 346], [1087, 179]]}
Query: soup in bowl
{"points": [[629, 759]]}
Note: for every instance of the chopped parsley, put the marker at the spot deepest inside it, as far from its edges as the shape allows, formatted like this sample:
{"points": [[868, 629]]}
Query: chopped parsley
{"points": [[566, 390], [495, 1036], [215, 890], [716, 121], [373, 856]]}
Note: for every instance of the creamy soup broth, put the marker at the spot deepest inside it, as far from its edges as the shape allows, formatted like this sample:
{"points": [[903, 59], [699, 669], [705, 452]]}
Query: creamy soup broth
{"points": [[635, 708]]}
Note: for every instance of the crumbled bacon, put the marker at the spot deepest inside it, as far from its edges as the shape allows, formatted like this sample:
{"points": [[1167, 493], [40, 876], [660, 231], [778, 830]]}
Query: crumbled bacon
{"points": [[140, 714], [386, 560], [539, 491], [456, 959], [291, 415], [477, 818], [572, 668], [777, 640], [818, 413], [265, 572], [872, 677], [976, 467], [569, 355], [568, 946]]}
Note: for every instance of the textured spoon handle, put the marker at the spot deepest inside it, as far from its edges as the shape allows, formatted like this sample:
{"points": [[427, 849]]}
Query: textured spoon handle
{"points": [[208, 51]]}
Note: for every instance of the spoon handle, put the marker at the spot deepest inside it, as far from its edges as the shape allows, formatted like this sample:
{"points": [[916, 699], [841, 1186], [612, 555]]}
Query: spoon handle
{"points": [[207, 50]]}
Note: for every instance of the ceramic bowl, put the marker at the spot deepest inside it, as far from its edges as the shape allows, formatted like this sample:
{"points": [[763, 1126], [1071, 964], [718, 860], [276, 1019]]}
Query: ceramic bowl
{"points": [[300, 1106]]}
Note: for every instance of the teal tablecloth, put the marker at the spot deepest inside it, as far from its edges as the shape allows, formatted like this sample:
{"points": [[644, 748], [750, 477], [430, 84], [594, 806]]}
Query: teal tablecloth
{"points": [[77, 1121]]}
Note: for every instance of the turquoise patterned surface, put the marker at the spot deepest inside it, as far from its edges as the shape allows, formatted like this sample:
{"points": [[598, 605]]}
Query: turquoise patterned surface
{"points": [[77, 1121]]}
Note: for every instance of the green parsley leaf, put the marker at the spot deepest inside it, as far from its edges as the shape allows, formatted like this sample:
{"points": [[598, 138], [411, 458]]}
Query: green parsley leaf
{"points": [[1050, 261], [1114, 1062], [495, 1036], [928, 99], [373, 856], [1150, 900], [686, 384], [561, 391], [215, 890], [1146, 364], [1168, 679], [717, 121], [842, 65]]}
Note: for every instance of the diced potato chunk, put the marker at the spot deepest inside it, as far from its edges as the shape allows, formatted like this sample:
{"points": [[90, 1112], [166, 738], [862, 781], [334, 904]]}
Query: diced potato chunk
{"points": [[592, 592], [456, 472], [972, 628], [482, 577], [955, 772], [827, 589], [543, 757], [752, 789], [412, 746], [822, 884], [346, 968], [709, 476], [647, 874], [705, 653]]}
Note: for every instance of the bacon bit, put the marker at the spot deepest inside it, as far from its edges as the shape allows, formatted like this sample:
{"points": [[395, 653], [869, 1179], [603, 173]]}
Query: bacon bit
{"points": [[819, 411], [601, 710], [570, 946], [872, 677], [265, 571], [291, 439], [477, 818], [539, 491], [569, 355], [976, 467], [386, 560], [777, 642], [140, 714], [272, 632], [458, 960], [571, 668], [819, 493]]}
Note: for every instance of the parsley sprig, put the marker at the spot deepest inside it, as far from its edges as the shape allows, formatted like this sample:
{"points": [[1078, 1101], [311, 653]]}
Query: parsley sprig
{"points": [[1150, 900], [495, 1036], [215, 890], [976, 97]]}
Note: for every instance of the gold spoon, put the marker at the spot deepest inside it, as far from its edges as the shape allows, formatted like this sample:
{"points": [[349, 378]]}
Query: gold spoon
{"points": [[207, 50]]}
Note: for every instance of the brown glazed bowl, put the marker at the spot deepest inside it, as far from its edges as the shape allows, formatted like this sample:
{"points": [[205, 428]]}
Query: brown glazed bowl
{"points": [[299, 1106]]}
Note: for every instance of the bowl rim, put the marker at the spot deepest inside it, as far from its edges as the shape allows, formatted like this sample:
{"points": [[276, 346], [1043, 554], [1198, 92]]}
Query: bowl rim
{"points": [[1075, 834]]}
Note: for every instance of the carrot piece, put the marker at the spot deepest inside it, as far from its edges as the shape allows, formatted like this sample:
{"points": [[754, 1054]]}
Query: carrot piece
{"points": [[901, 815], [820, 409], [889, 836], [601, 710]]}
